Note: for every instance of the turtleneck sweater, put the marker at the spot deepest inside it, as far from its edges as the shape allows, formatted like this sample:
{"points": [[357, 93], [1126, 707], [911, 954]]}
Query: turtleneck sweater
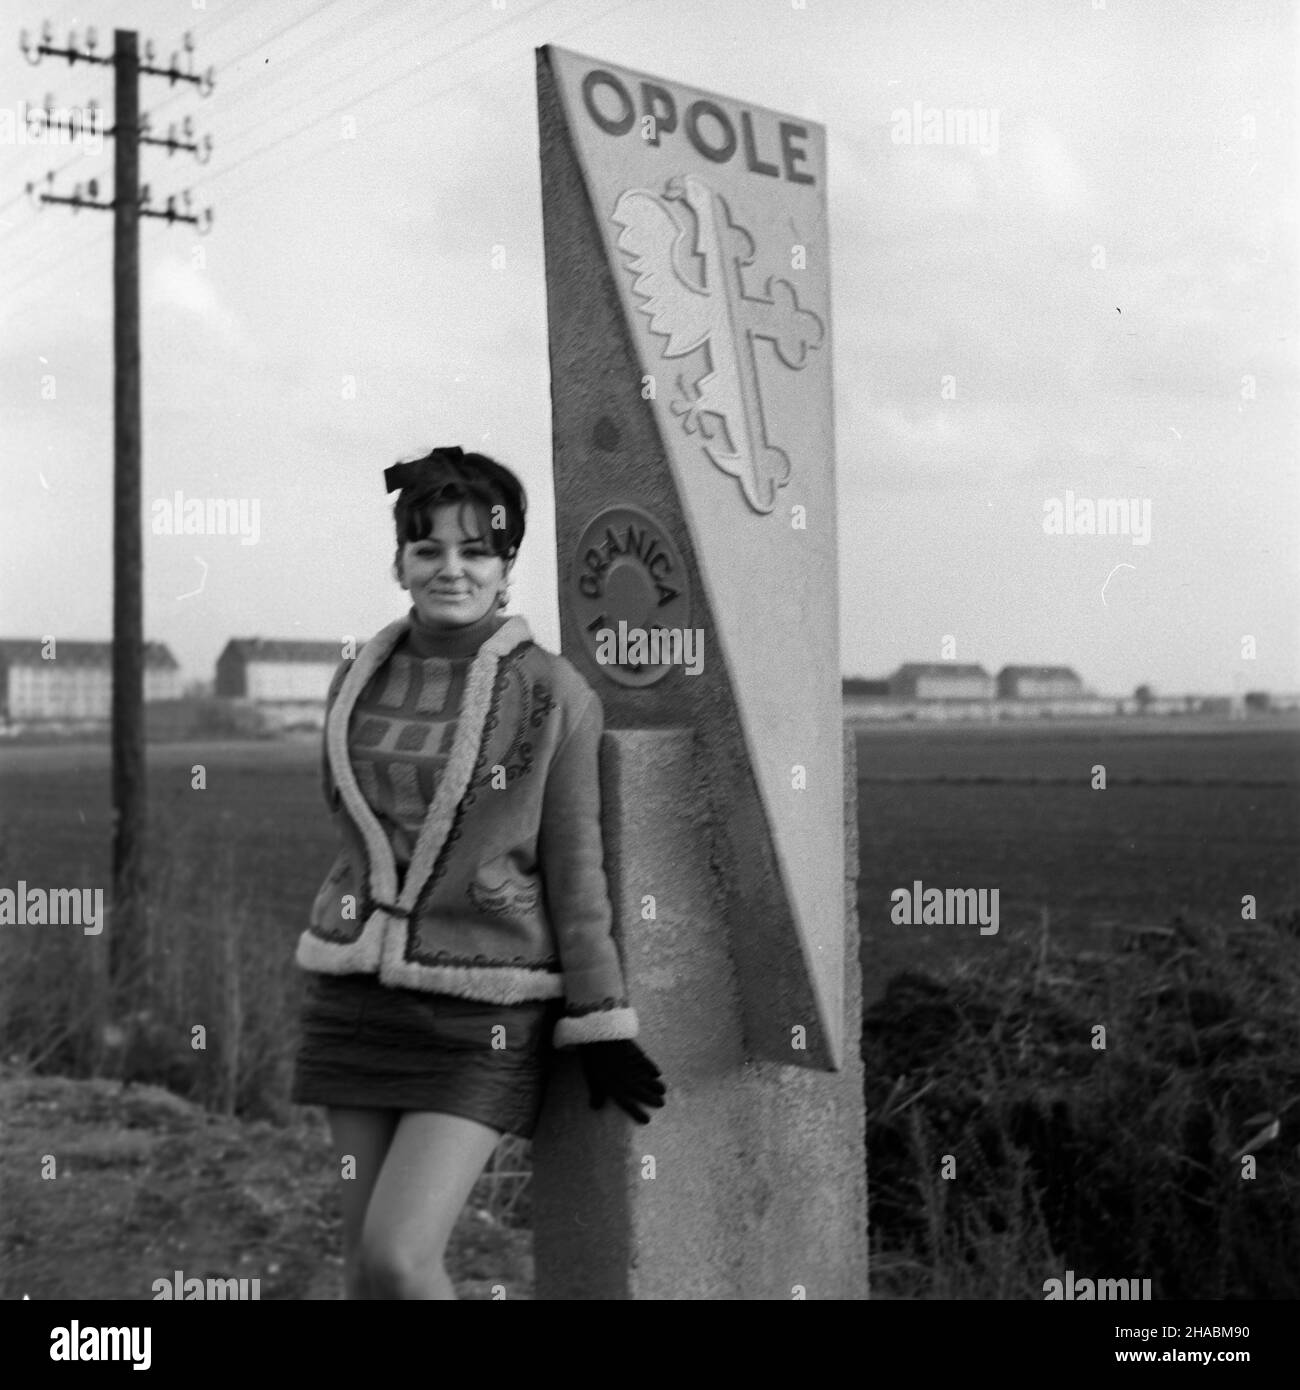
{"points": [[401, 731], [451, 642]]}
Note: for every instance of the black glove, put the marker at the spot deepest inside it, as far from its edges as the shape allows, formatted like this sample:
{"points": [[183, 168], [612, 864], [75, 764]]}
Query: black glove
{"points": [[620, 1070]]}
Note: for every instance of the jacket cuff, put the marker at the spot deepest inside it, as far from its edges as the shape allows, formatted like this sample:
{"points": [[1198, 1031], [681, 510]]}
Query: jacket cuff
{"points": [[605, 1025]]}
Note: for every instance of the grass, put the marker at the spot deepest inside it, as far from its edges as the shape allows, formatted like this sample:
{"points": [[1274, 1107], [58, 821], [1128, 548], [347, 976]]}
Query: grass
{"points": [[1116, 1162], [1191, 819], [119, 1093], [147, 1184], [1118, 1154], [1009, 1139], [211, 1014]]}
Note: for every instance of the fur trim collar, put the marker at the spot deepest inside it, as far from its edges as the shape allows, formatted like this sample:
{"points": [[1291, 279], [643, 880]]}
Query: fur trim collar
{"points": [[452, 784]]}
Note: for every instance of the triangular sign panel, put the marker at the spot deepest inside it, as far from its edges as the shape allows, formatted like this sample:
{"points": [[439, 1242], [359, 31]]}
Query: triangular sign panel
{"points": [[689, 303]]}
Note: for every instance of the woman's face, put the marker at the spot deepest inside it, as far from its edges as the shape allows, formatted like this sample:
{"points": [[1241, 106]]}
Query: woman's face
{"points": [[453, 576]]}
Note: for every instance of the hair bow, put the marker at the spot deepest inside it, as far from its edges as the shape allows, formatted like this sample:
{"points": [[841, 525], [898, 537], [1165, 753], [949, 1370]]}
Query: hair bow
{"points": [[402, 475]]}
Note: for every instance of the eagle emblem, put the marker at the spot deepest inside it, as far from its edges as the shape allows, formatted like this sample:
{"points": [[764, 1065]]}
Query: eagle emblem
{"points": [[688, 257]]}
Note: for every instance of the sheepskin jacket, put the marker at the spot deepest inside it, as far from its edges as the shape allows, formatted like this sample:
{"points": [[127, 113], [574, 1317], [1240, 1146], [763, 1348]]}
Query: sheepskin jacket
{"points": [[504, 897]]}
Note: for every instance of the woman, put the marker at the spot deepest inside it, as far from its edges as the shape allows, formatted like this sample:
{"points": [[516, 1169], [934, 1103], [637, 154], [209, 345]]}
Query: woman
{"points": [[465, 926]]}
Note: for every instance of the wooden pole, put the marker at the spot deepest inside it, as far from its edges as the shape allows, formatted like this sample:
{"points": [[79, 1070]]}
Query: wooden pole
{"points": [[126, 940]]}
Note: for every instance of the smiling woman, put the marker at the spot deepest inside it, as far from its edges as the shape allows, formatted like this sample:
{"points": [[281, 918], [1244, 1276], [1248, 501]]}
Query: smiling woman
{"points": [[465, 927], [460, 521]]}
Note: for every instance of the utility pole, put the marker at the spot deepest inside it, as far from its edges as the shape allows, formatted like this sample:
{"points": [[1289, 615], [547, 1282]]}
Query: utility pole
{"points": [[128, 940]]}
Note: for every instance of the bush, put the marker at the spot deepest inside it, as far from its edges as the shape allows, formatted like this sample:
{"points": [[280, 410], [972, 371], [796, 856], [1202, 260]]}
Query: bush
{"points": [[1116, 1162]]}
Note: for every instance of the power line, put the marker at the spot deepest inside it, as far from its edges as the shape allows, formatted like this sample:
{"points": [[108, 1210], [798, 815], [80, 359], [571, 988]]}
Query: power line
{"points": [[62, 169], [260, 43], [348, 77], [405, 43], [342, 35], [230, 12], [349, 31], [15, 241], [244, 94], [42, 251], [56, 124], [332, 144], [15, 237], [360, 98], [39, 226], [306, 156], [98, 241], [283, 29], [37, 148], [135, 131], [46, 241]]}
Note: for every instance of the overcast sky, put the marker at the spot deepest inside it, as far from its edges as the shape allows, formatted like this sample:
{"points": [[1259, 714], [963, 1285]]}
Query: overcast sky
{"points": [[1109, 286]]}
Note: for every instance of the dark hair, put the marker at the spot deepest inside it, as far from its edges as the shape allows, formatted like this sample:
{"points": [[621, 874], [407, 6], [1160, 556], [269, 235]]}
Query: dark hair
{"points": [[474, 479]]}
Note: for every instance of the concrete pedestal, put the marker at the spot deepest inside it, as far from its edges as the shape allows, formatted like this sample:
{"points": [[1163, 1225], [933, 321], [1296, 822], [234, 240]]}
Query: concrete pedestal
{"points": [[751, 1182]]}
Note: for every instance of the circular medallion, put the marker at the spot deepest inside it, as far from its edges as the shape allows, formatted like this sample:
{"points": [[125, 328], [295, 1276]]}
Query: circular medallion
{"points": [[629, 588]]}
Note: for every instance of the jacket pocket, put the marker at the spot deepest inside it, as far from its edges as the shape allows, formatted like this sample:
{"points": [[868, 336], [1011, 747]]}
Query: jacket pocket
{"points": [[500, 890]]}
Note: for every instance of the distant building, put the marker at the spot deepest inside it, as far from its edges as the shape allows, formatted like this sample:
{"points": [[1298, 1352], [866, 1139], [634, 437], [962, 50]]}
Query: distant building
{"points": [[1038, 683], [855, 685], [66, 680], [1231, 705], [941, 680], [272, 670]]}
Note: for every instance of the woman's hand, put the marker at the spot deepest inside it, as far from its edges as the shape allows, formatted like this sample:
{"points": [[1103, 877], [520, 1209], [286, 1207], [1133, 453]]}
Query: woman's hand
{"points": [[621, 1071]]}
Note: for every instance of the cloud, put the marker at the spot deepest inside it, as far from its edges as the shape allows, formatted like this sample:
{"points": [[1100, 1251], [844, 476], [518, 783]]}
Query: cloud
{"points": [[1044, 167], [177, 285], [949, 442]]}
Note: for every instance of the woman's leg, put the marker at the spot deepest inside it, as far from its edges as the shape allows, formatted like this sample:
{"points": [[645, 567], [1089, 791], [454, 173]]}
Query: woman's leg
{"points": [[364, 1136], [432, 1165]]}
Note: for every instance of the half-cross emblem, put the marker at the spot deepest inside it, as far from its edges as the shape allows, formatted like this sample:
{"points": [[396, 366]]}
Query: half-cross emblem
{"points": [[691, 281]]}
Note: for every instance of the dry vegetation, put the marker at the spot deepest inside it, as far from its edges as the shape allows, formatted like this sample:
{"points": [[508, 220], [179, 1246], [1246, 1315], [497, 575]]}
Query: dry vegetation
{"points": [[168, 1157], [1116, 1163], [1125, 1162]]}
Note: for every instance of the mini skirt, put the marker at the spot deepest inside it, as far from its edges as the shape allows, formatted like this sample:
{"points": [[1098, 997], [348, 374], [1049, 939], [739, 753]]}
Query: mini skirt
{"points": [[366, 1044]]}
